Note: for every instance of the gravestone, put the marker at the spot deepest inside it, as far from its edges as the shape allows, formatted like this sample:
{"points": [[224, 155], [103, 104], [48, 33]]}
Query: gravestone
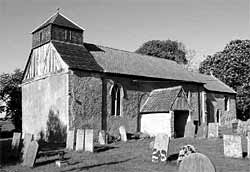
{"points": [[202, 131], [30, 156], [80, 140], [15, 142], [102, 137], [70, 140], [232, 146], [123, 133], [160, 150], [196, 162], [89, 140], [213, 130], [26, 141], [248, 145], [189, 129]]}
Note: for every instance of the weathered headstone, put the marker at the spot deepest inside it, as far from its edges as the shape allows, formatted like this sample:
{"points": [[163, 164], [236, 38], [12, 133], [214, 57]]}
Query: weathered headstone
{"points": [[160, 150], [123, 133], [189, 129], [196, 162], [30, 156], [15, 142], [27, 139], [102, 137], [70, 140], [213, 130], [232, 146], [89, 140], [80, 140], [202, 131], [248, 145]]}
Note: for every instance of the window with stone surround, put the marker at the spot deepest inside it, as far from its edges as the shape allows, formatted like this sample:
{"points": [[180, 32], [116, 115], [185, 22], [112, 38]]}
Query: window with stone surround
{"points": [[116, 100], [226, 103]]}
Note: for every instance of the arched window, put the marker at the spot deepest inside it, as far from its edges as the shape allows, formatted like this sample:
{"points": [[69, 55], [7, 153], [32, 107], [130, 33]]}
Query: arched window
{"points": [[116, 100]]}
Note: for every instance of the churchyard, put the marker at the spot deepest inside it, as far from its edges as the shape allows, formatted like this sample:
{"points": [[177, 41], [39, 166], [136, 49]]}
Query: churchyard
{"points": [[226, 154]]}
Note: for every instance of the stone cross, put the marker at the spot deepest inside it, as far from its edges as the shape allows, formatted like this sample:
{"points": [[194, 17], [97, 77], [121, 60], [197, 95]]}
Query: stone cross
{"points": [[232, 146], [15, 142], [123, 133], [89, 140], [30, 156], [189, 129], [102, 137], [202, 131], [80, 140], [213, 130], [160, 150], [196, 162], [27, 139], [70, 140]]}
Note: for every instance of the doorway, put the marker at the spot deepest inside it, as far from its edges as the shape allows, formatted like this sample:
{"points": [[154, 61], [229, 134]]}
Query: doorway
{"points": [[180, 120]]}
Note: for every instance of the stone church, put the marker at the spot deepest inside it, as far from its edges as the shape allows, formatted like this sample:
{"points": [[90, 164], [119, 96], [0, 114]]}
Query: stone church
{"points": [[69, 83]]}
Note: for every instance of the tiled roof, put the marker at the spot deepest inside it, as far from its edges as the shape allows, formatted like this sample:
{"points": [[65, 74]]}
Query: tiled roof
{"points": [[129, 63], [59, 20], [213, 84], [161, 100]]}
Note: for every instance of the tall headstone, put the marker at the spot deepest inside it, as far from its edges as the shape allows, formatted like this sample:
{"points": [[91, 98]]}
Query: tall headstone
{"points": [[196, 162], [26, 141], [213, 130], [30, 156], [70, 140], [189, 129], [232, 146], [123, 133], [89, 140], [160, 150], [202, 131], [102, 137], [15, 142], [248, 145], [80, 139]]}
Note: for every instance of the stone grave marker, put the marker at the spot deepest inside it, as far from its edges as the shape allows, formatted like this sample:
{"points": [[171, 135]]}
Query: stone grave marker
{"points": [[70, 140], [196, 162], [102, 137], [30, 156], [160, 149], [189, 129], [232, 146], [26, 141], [123, 133], [15, 142], [202, 131], [80, 139], [89, 140], [248, 145], [213, 130]]}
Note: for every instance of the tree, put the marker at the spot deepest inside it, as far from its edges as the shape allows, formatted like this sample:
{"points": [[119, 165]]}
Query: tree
{"points": [[232, 66], [10, 94], [168, 49]]}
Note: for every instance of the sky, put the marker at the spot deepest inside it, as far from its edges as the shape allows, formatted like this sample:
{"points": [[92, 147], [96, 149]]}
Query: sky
{"points": [[205, 26]]}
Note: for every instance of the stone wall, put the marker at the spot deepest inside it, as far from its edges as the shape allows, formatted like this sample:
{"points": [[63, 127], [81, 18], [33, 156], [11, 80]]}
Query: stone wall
{"points": [[41, 98]]}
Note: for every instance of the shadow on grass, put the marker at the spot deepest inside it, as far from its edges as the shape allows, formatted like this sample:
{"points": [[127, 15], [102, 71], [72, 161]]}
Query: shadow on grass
{"points": [[103, 148], [48, 162], [97, 165]]}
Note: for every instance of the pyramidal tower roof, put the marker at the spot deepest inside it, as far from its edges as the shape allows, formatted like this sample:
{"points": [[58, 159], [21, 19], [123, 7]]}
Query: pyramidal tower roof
{"points": [[59, 20]]}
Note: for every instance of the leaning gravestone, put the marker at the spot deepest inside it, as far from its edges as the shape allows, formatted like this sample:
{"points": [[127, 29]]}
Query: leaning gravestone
{"points": [[102, 137], [202, 131], [80, 140], [70, 140], [30, 156], [123, 133], [232, 146], [196, 162], [248, 145], [27, 139], [213, 130], [15, 142], [160, 150], [189, 129], [89, 140]]}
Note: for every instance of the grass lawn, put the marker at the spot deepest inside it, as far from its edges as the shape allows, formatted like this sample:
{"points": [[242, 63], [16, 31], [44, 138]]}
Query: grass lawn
{"points": [[135, 155]]}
